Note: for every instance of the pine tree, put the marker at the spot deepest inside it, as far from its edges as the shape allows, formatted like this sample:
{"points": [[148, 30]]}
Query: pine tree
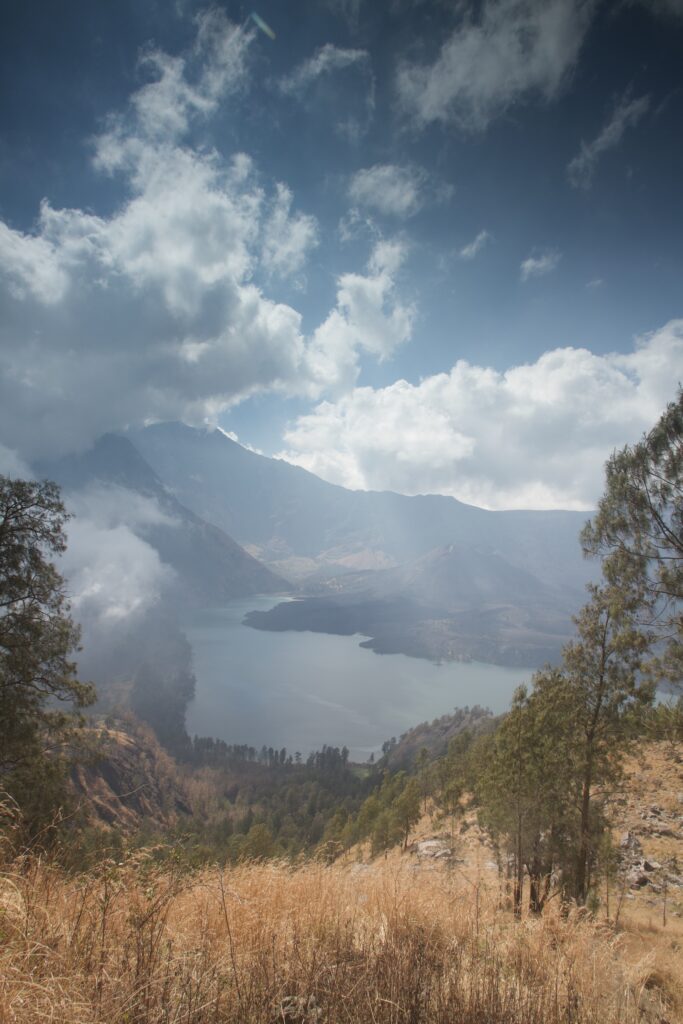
{"points": [[525, 788], [638, 531], [605, 692], [40, 693], [406, 809]]}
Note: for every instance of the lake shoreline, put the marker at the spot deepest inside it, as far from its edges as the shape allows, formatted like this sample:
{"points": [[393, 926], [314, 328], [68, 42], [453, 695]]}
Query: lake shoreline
{"points": [[303, 689], [399, 626]]}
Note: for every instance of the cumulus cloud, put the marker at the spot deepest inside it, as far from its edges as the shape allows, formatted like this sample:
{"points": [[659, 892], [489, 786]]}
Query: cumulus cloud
{"points": [[515, 49], [287, 237], [325, 61], [537, 266], [535, 436], [473, 248], [368, 317], [157, 310], [626, 114], [32, 266], [390, 189]]}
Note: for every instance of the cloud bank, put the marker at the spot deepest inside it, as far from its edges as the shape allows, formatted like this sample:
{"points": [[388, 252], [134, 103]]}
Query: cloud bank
{"points": [[535, 436], [158, 310]]}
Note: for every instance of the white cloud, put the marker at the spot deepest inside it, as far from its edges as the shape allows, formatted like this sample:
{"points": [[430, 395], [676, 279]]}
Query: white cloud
{"points": [[157, 310], [536, 436], [368, 317], [356, 225], [327, 59], [32, 266], [537, 266], [627, 114], [109, 506], [515, 49], [473, 248], [390, 189], [111, 571], [287, 237]]}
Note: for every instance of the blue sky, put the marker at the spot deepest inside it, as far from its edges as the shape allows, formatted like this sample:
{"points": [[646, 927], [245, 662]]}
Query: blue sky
{"points": [[418, 245]]}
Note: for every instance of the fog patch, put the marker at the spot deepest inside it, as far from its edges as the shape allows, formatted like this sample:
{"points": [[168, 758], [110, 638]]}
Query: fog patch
{"points": [[112, 574]]}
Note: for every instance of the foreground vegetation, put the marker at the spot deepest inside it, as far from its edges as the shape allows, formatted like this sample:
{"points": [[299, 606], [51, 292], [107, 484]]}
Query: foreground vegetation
{"points": [[144, 944]]}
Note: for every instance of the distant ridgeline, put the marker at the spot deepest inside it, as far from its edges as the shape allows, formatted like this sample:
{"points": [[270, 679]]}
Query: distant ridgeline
{"points": [[426, 576]]}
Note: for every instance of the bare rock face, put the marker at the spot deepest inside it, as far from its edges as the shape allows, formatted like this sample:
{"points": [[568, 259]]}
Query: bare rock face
{"points": [[436, 848], [630, 844]]}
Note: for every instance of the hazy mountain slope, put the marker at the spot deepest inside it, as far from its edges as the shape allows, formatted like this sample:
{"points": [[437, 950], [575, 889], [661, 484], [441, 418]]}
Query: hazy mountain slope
{"points": [[425, 575], [284, 512], [210, 565], [452, 578]]}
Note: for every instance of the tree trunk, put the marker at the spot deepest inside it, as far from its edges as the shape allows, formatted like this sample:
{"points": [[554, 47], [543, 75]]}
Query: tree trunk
{"points": [[584, 835], [519, 874]]}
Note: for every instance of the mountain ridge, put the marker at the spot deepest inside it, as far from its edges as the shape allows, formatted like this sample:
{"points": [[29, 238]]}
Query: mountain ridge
{"points": [[211, 566], [214, 475], [423, 575]]}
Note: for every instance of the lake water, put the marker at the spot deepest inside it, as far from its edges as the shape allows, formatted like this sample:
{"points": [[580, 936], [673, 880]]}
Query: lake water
{"points": [[301, 690]]}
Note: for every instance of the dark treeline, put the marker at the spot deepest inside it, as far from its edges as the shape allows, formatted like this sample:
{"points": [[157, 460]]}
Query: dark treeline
{"points": [[217, 753]]}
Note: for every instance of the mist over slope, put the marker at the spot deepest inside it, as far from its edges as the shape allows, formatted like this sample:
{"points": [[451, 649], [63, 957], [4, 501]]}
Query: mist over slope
{"points": [[113, 482], [136, 560], [287, 512]]}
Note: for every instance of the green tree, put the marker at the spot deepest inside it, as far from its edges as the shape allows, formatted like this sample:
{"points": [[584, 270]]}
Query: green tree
{"points": [[525, 789], [562, 746], [386, 831], [40, 694], [406, 809], [258, 844], [638, 531], [605, 693], [422, 767], [453, 772]]}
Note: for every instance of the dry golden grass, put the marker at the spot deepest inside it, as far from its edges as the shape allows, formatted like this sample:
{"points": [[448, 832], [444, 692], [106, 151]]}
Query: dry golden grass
{"points": [[136, 944]]}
